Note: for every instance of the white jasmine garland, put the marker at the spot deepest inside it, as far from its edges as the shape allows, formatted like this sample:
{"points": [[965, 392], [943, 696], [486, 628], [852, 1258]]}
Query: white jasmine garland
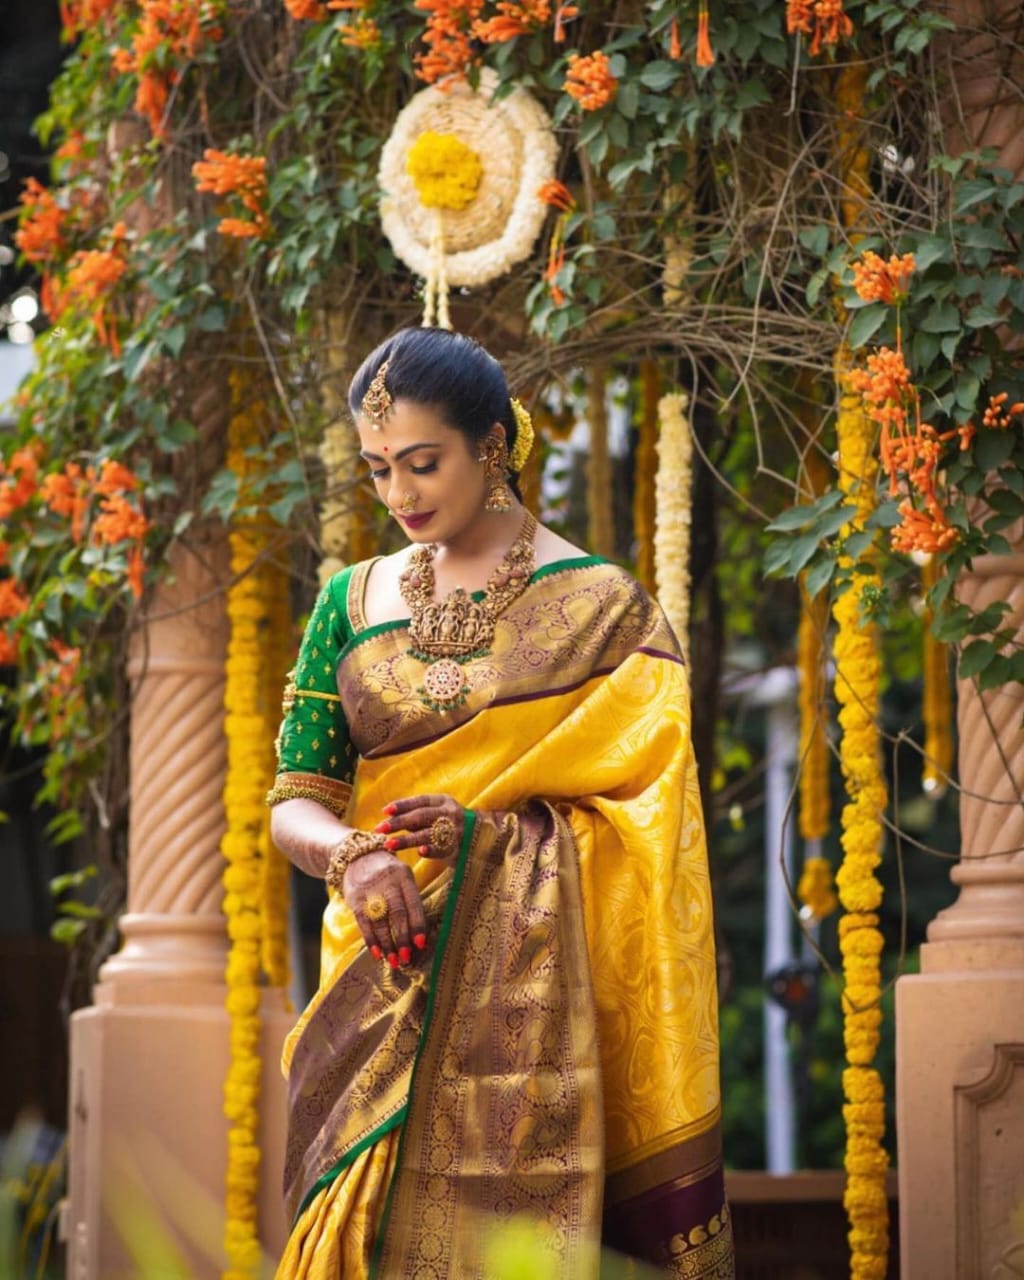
{"points": [[673, 498], [500, 226]]}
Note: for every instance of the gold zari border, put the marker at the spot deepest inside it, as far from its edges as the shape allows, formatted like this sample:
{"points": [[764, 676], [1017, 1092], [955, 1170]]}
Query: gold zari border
{"points": [[329, 792]]}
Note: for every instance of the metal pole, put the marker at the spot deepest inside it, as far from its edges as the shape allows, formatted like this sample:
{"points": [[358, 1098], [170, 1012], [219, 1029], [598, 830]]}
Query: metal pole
{"points": [[780, 1103]]}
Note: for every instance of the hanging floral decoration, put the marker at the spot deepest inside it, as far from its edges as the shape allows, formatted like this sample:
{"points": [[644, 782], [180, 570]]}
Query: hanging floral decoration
{"points": [[814, 818], [460, 174], [673, 500], [255, 891], [816, 889], [937, 698], [858, 692]]}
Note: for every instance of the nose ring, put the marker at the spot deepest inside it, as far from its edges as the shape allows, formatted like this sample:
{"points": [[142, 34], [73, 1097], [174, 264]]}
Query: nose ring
{"points": [[408, 504]]}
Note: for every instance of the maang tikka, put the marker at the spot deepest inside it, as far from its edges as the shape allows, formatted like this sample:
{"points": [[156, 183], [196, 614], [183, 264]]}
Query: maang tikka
{"points": [[376, 404]]}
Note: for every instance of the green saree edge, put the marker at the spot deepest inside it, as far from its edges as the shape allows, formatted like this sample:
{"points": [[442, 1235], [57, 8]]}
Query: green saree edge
{"points": [[442, 943], [327, 1178]]}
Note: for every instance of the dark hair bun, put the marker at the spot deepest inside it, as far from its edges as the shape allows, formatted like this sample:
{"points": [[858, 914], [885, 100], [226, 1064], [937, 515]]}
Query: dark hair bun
{"points": [[447, 370]]}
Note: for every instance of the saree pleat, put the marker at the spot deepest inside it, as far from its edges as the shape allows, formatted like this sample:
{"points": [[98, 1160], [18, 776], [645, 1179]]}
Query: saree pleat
{"points": [[574, 753], [333, 1238]]}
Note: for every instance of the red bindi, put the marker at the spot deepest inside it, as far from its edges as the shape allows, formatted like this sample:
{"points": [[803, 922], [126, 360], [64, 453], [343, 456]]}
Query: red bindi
{"points": [[385, 448]]}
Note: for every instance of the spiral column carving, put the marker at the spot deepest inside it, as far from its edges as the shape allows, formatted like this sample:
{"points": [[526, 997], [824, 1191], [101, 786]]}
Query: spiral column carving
{"points": [[988, 916], [173, 929]]}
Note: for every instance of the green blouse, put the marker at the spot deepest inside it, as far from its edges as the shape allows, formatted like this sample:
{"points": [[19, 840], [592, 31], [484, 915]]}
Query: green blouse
{"points": [[314, 736]]}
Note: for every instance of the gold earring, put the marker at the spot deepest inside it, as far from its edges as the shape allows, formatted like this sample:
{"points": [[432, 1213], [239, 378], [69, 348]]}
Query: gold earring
{"points": [[495, 459], [408, 504]]}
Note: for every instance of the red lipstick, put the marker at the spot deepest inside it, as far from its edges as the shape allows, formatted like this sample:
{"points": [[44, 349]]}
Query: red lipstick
{"points": [[417, 522]]}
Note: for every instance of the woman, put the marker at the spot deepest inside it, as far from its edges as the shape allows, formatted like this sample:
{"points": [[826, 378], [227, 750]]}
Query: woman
{"points": [[486, 753]]}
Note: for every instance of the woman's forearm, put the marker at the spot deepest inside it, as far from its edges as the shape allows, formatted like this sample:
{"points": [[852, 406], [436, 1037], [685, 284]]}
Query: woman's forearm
{"points": [[307, 833]]}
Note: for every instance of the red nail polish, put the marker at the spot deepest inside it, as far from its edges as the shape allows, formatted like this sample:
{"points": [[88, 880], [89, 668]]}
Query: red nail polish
{"points": [[404, 954], [376, 952], [391, 810], [392, 844], [383, 828], [393, 960], [420, 939], [424, 850]]}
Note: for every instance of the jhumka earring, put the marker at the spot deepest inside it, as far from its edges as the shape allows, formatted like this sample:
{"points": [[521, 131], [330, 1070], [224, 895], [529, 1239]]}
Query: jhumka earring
{"points": [[376, 404], [495, 459]]}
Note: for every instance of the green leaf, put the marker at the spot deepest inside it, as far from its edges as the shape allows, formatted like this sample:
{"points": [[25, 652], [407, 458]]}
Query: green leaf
{"points": [[213, 320], [885, 516], [819, 575], [73, 879], [982, 316], [173, 339], [659, 75], [975, 658], [992, 448], [816, 239], [942, 317], [797, 517], [804, 548], [1005, 502], [866, 324], [67, 931]]}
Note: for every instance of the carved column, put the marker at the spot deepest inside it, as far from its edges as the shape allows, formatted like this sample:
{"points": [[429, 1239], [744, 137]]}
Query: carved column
{"points": [[960, 1022], [173, 929], [148, 1134]]}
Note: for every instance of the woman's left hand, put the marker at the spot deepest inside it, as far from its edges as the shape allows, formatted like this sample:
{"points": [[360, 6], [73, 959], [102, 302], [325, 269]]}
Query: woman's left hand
{"points": [[433, 825]]}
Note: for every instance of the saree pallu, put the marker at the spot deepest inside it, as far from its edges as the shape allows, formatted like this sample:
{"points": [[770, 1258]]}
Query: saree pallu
{"points": [[553, 1053]]}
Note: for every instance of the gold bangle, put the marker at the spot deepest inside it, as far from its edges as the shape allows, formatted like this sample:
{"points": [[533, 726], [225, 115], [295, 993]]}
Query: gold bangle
{"points": [[329, 792], [357, 844]]}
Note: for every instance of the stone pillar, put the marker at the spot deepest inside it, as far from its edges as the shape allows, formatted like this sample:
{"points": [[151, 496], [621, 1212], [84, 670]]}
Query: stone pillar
{"points": [[960, 1022], [148, 1060]]}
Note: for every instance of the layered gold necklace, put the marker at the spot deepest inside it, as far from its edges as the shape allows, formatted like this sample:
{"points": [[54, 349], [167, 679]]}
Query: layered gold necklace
{"points": [[448, 633]]}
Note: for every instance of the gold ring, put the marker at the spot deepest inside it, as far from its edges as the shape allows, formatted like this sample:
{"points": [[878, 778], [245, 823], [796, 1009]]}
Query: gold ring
{"points": [[408, 505], [442, 836], [376, 908]]}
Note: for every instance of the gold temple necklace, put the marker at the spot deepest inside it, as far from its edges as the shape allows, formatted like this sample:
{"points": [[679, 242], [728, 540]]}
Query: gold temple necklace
{"points": [[448, 633]]}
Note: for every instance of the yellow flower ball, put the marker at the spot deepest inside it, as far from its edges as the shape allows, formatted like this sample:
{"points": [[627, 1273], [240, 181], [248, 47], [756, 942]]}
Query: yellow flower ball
{"points": [[445, 172]]}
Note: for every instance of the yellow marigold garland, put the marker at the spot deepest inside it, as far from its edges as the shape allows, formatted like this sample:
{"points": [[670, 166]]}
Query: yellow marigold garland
{"points": [[857, 686], [644, 506], [254, 677], [673, 500], [937, 696]]}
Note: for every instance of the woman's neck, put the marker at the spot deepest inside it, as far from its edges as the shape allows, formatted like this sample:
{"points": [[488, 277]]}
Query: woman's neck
{"points": [[475, 551]]}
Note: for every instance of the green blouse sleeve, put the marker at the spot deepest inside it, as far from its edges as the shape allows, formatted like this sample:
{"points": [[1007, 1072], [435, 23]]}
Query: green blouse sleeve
{"points": [[313, 741]]}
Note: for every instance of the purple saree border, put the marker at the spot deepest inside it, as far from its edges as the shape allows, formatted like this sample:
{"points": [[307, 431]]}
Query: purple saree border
{"points": [[513, 699]]}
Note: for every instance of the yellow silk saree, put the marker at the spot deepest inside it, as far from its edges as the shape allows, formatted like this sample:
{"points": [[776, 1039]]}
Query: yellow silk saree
{"points": [[553, 1054]]}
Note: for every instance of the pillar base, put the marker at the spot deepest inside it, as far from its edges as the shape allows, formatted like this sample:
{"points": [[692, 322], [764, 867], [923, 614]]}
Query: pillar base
{"points": [[148, 1138], [166, 959], [959, 1102]]}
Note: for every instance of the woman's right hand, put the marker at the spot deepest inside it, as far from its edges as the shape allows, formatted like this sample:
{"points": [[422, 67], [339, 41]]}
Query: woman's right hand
{"points": [[404, 927]]}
